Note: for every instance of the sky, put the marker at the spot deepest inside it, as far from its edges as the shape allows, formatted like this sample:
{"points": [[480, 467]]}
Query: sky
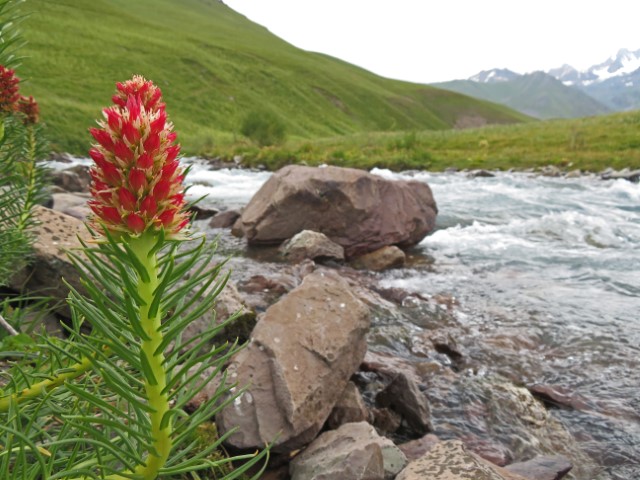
{"points": [[429, 41]]}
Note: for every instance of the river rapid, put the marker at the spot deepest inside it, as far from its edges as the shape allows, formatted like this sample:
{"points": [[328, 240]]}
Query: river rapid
{"points": [[529, 282], [542, 287]]}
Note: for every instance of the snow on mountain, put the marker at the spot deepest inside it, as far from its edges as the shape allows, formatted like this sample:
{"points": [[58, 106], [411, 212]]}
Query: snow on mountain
{"points": [[624, 63], [494, 76]]}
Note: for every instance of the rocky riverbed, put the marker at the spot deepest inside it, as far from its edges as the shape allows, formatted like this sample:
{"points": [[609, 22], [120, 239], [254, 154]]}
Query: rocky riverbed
{"points": [[505, 336]]}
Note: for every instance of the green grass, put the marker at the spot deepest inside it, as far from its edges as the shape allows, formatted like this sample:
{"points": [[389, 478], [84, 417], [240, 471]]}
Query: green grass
{"points": [[214, 66], [589, 144]]}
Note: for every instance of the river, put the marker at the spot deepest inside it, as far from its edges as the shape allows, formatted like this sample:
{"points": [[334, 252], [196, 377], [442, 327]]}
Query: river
{"points": [[544, 277]]}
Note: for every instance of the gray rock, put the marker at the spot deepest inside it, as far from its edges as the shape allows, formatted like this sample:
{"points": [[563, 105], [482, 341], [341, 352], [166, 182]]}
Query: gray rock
{"points": [[224, 219], [381, 259], [353, 451], [350, 408], [301, 355], [55, 234], [358, 210], [403, 396], [312, 245], [553, 467], [450, 460]]}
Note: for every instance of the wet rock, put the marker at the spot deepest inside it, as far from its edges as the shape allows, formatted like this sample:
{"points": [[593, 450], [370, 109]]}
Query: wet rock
{"points": [[224, 219], [358, 210], [202, 212], [577, 173], [451, 460], [350, 408], [414, 449], [302, 353], [54, 235], [492, 451], [557, 396], [381, 259], [550, 171], [385, 420], [480, 173], [625, 174], [74, 179], [312, 245], [72, 204], [403, 396], [552, 467], [353, 451]]}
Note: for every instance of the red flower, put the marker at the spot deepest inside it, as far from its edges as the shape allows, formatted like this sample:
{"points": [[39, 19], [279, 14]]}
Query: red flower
{"points": [[29, 107], [9, 95], [137, 179]]}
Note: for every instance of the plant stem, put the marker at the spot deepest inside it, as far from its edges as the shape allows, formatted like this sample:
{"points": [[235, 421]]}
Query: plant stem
{"points": [[37, 389], [155, 375]]}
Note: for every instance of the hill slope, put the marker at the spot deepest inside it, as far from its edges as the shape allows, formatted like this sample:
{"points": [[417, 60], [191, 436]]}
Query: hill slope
{"points": [[537, 94], [214, 66]]}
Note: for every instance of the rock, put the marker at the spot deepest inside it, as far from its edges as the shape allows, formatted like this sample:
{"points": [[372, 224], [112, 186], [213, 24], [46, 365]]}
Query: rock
{"points": [[557, 396], [313, 245], [494, 452], [358, 210], [74, 179], [72, 204], [403, 396], [577, 173], [552, 467], [350, 408], [450, 460], [301, 356], [202, 212], [381, 259], [228, 303], [415, 449], [353, 451], [224, 219], [54, 235], [386, 420], [550, 171], [480, 173], [625, 174]]}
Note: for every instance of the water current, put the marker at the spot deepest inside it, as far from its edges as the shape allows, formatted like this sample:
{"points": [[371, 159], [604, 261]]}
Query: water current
{"points": [[541, 278]]}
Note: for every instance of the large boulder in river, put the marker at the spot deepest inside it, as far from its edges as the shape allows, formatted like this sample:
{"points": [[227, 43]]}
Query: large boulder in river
{"points": [[299, 360], [358, 210]]}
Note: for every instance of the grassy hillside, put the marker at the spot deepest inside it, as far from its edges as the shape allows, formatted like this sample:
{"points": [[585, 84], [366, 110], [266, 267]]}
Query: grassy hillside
{"points": [[214, 67], [536, 94], [589, 144]]}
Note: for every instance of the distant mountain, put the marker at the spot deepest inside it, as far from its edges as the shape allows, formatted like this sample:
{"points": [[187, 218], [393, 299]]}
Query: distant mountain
{"points": [[495, 75], [614, 82], [537, 94]]}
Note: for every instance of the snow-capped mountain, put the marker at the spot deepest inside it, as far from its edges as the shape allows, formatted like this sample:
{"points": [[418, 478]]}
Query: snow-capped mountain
{"points": [[624, 63], [494, 75]]}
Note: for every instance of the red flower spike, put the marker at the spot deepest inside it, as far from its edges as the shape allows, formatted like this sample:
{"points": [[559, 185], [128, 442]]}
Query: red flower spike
{"points": [[136, 223], [102, 137], [29, 107], [145, 161], [148, 206], [166, 217], [152, 143], [110, 214], [122, 151], [161, 190], [137, 179], [130, 132], [9, 95], [113, 118], [127, 199], [172, 153]]}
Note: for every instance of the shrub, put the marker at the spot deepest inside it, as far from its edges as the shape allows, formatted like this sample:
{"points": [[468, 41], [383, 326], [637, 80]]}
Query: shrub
{"points": [[263, 127]]}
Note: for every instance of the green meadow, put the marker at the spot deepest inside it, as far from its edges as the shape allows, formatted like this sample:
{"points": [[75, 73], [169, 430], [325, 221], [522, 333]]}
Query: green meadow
{"points": [[216, 67]]}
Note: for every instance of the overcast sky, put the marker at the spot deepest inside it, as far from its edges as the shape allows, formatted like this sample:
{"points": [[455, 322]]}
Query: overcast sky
{"points": [[437, 40]]}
